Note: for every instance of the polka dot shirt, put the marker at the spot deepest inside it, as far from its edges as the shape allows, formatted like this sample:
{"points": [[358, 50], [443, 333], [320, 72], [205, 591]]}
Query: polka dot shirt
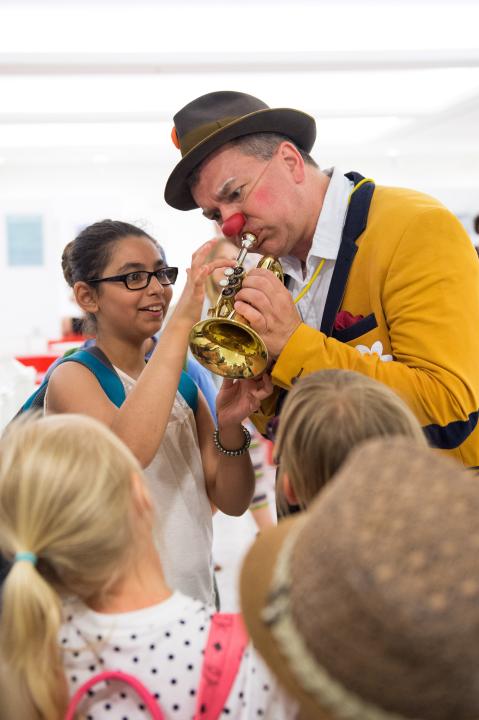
{"points": [[163, 647]]}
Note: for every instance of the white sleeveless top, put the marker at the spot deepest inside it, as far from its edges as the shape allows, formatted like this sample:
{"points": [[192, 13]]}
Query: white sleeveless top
{"points": [[183, 522]]}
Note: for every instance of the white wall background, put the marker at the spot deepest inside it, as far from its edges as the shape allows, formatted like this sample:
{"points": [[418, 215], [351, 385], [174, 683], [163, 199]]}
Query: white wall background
{"points": [[33, 299], [88, 91]]}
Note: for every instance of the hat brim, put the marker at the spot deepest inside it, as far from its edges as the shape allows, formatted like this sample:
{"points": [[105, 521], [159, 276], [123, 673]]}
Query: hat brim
{"points": [[298, 126], [255, 583]]}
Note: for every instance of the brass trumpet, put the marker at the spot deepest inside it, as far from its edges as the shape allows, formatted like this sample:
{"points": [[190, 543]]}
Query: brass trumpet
{"points": [[225, 343]]}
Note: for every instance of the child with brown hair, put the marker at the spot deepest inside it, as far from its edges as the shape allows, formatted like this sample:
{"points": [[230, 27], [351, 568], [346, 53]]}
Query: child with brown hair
{"points": [[121, 280], [327, 414]]}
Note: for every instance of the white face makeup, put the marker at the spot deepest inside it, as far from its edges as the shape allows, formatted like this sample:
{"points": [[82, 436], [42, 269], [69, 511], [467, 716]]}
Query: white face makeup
{"points": [[266, 192]]}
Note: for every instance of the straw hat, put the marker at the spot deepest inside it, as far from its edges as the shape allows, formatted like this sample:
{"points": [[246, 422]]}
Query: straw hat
{"points": [[210, 121], [367, 606]]}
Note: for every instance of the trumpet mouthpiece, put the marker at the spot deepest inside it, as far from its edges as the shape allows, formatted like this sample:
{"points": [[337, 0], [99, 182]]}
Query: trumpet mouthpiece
{"points": [[248, 240]]}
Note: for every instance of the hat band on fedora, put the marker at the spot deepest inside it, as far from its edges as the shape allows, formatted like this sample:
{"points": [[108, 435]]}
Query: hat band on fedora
{"points": [[196, 136], [310, 675]]}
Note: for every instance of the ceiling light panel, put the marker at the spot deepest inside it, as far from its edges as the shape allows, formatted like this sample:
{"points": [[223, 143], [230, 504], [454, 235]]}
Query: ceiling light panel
{"points": [[326, 93], [139, 27]]}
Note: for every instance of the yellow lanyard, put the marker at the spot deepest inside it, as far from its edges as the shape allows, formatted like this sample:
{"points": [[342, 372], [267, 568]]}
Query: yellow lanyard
{"points": [[308, 285], [320, 266]]}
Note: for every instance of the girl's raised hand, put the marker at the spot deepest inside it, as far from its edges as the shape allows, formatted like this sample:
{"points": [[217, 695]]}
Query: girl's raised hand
{"points": [[238, 399], [191, 301]]}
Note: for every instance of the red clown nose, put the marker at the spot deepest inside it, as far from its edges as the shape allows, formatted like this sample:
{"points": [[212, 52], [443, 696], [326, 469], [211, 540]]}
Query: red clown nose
{"points": [[233, 225]]}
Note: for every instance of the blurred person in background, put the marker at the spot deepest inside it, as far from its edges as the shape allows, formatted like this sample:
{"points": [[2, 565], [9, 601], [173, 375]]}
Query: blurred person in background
{"points": [[259, 451]]}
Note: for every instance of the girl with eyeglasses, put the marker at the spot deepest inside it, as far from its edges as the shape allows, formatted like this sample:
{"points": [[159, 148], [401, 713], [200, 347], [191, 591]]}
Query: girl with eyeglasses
{"points": [[121, 280]]}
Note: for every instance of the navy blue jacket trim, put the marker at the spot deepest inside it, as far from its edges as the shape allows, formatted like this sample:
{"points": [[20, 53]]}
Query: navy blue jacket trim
{"points": [[356, 220], [448, 437], [354, 226]]}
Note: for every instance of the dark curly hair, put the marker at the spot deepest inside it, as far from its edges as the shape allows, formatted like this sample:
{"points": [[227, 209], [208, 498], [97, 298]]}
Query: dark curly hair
{"points": [[85, 257]]}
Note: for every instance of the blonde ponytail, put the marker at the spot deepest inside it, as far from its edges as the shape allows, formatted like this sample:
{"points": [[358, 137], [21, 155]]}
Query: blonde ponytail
{"points": [[65, 491], [30, 604]]}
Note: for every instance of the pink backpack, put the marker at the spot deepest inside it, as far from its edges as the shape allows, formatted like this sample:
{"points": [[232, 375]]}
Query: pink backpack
{"points": [[224, 649]]}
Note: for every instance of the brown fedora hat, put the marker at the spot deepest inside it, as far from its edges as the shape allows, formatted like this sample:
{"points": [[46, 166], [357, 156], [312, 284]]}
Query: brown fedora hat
{"points": [[212, 120], [366, 607]]}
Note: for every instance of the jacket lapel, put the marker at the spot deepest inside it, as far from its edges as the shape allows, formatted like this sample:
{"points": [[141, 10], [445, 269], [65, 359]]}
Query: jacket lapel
{"points": [[355, 224]]}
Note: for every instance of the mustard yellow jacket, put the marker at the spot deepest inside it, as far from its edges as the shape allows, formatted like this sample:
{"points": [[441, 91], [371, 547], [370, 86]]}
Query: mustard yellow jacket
{"points": [[413, 276]]}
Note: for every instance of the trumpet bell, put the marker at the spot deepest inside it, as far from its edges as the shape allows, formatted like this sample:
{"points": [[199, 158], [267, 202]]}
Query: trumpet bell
{"points": [[225, 343], [229, 348]]}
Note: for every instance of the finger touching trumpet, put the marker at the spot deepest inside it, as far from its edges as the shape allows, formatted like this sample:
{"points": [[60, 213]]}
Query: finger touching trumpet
{"points": [[268, 307]]}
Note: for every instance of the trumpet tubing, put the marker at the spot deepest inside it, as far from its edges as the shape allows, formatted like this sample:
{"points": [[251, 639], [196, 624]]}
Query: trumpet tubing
{"points": [[225, 343]]}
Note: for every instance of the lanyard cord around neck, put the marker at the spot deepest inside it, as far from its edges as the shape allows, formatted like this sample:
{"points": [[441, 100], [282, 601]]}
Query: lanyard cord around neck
{"points": [[320, 266]]}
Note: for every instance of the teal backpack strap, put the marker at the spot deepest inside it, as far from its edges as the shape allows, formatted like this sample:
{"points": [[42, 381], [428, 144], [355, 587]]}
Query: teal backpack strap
{"points": [[98, 364], [35, 401], [104, 372], [189, 390]]}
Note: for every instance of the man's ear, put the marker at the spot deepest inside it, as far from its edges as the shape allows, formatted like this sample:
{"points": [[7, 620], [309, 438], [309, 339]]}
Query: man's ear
{"points": [[288, 490], [293, 160], [86, 297]]}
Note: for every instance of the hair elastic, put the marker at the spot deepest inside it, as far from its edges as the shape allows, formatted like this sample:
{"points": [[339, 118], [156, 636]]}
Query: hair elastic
{"points": [[26, 556]]}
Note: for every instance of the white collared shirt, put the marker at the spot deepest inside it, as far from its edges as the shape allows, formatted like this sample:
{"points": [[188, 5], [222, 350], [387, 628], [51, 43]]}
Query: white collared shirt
{"points": [[326, 242]]}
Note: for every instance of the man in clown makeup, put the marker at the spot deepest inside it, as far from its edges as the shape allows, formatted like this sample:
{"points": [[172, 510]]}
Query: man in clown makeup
{"points": [[380, 280]]}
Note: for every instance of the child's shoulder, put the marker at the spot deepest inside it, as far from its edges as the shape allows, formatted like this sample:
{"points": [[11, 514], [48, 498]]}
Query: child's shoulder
{"points": [[69, 381], [83, 379]]}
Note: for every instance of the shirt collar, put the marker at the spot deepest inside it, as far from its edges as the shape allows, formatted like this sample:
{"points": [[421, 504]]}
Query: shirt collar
{"points": [[327, 235]]}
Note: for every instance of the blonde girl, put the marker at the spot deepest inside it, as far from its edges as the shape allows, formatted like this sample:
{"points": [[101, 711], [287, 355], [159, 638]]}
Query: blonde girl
{"points": [[325, 416], [86, 591]]}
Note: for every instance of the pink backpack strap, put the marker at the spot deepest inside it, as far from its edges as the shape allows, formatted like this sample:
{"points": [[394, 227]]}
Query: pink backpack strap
{"points": [[226, 642], [133, 682]]}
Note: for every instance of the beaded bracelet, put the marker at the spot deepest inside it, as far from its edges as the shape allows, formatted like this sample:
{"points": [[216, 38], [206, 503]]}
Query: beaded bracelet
{"points": [[233, 453]]}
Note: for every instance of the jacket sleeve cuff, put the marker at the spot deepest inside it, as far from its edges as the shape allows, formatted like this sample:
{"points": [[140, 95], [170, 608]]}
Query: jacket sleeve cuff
{"points": [[291, 362]]}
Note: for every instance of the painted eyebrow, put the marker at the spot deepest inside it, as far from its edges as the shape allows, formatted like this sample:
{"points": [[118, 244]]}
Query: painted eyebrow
{"points": [[225, 189], [223, 192], [128, 267]]}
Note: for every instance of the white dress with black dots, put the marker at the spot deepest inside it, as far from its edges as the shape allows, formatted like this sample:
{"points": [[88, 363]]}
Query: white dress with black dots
{"points": [[163, 647], [183, 523]]}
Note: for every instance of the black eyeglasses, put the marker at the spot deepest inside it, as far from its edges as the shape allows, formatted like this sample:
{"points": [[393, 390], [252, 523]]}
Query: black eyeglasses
{"points": [[140, 279]]}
